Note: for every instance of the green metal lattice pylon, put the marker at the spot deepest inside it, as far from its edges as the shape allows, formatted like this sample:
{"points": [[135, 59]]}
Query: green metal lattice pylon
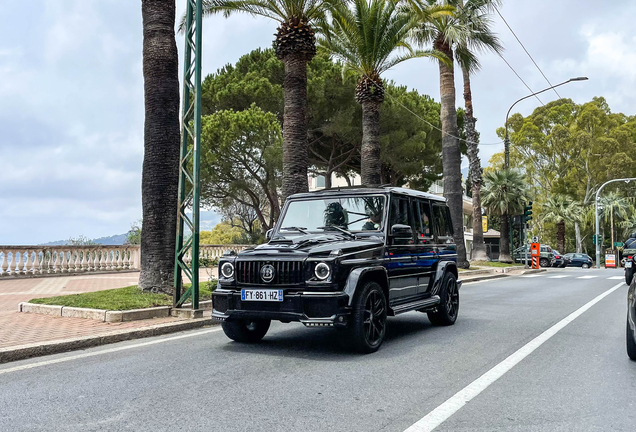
{"points": [[187, 249]]}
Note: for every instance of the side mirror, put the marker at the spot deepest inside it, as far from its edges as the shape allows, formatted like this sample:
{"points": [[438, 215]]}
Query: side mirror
{"points": [[268, 234], [399, 231]]}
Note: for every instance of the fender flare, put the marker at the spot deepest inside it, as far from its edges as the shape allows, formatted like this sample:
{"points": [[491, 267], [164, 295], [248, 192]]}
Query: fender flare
{"points": [[442, 268], [358, 273]]}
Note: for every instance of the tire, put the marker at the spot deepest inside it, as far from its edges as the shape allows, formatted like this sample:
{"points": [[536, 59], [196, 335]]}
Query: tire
{"points": [[367, 328], [629, 275], [631, 344], [245, 331], [543, 262], [585, 265], [446, 313]]}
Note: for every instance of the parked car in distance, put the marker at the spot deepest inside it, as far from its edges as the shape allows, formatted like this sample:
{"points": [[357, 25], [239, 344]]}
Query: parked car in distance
{"points": [[545, 257], [559, 260], [631, 318], [579, 260], [344, 258]]}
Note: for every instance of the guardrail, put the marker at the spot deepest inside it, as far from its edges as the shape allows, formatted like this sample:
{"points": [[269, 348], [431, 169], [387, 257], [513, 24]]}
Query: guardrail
{"points": [[32, 261]]}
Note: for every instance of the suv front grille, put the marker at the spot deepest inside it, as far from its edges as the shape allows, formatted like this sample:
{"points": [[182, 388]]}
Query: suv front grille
{"points": [[285, 272]]}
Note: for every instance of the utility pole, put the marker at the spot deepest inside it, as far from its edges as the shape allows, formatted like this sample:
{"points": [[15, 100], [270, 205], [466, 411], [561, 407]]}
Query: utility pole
{"points": [[187, 249], [596, 223]]}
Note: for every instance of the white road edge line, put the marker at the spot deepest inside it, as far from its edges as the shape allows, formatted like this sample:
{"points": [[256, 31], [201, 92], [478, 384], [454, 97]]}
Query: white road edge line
{"points": [[106, 351], [440, 414]]}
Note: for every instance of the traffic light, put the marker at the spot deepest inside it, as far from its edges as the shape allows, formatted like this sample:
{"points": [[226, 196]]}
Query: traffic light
{"points": [[527, 213], [593, 238]]}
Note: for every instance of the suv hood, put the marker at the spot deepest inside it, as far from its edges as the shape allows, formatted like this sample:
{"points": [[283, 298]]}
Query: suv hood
{"points": [[313, 244]]}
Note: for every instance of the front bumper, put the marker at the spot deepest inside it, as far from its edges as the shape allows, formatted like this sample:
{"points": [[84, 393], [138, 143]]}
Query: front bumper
{"points": [[313, 309]]}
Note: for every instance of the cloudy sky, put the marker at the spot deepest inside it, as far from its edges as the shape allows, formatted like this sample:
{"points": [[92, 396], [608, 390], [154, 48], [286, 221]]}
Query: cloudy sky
{"points": [[71, 96]]}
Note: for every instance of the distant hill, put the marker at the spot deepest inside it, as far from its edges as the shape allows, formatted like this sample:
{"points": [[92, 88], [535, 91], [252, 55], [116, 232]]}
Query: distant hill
{"points": [[115, 240]]}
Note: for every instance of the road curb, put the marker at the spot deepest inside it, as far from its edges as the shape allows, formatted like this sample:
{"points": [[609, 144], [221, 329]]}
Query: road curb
{"points": [[22, 352], [500, 275], [108, 315]]}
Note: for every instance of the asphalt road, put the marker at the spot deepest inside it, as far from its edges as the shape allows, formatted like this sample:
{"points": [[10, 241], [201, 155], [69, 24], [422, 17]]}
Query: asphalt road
{"points": [[299, 379]]}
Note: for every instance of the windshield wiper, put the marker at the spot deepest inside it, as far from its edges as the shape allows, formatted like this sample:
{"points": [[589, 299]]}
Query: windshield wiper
{"points": [[299, 229], [342, 230]]}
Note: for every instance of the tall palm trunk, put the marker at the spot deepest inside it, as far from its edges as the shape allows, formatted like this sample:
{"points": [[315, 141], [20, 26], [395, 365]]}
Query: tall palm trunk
{"points": [[295, 158], [451, 153], [160, 172], [479, 248], [577, 231], [561, 236], [370, 166], [504, 241]]}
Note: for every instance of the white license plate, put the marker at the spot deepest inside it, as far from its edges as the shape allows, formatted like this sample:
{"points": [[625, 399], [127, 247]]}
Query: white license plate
{"points": [[628, 264], [262, 295]]}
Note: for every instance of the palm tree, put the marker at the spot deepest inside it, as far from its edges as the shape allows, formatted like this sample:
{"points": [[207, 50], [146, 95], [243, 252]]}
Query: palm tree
{"points": [[481, 38], [446, 33], [504, 194], [160, 172], [558, 209], [369, 39], [295, 46]]}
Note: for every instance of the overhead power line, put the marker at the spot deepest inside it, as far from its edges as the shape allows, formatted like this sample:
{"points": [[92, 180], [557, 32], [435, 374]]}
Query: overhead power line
{"points": [[524, 48], [521, 79]]}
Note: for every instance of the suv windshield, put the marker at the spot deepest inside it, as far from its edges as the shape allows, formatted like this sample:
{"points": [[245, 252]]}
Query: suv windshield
{"points": [[348, 213]]}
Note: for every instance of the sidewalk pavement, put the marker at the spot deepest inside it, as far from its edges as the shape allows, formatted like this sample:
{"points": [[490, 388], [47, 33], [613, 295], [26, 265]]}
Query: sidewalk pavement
{"points": [[26, 328]]}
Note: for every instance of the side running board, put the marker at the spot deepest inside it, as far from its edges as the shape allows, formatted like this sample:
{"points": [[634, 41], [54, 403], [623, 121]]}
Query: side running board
{"points": [[416, 305]]}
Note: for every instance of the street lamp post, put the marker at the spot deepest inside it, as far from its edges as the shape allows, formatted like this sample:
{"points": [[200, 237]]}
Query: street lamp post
{"points": [[598, 244], [506, 138]]}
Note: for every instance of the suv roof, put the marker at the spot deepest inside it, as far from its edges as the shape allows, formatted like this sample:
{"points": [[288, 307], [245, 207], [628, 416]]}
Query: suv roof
{"points": [[361, 190]]}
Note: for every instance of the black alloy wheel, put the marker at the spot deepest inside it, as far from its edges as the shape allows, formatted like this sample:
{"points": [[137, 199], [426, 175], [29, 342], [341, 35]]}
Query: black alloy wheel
{"points": [[374, 318], [631, 343], [585, 265], [448, 310], [543, 262], [367, 328]]}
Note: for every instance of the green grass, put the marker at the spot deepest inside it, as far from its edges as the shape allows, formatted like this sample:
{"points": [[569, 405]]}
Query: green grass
{"points": [[493, 264], [119, 299]]}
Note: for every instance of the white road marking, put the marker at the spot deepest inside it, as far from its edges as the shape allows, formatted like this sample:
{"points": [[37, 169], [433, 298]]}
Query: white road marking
{"points": [[440, 414], [532, 275], [615, 277], [587, 277], [106, 351], [558, 276]]}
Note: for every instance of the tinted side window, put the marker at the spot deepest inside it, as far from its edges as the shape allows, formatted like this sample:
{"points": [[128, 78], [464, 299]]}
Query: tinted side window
{"points": [[399, 212], [423, 228], [443, 228]]}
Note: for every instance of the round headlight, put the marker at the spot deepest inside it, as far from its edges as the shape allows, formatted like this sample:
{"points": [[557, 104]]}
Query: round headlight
{"points": [[227, 270], [322, 271]]}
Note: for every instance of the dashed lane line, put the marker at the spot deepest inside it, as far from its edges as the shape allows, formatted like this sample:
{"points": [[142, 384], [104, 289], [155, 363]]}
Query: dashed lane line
{"points": [[532, 275], [558, 276], [443, 412], [615, 277], [587, 277]]}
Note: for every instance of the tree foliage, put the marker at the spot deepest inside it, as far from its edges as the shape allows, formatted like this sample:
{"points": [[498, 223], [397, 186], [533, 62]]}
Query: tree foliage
{"points": [[255, 84], [223, 233], [570, 150], [241, 161]]}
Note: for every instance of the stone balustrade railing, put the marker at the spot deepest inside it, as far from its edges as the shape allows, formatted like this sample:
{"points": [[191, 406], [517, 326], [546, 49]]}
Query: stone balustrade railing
{"points": [[64, 260]]}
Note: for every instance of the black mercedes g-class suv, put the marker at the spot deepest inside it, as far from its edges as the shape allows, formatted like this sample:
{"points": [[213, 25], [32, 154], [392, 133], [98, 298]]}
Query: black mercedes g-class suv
{"points": [[344, 258]]}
